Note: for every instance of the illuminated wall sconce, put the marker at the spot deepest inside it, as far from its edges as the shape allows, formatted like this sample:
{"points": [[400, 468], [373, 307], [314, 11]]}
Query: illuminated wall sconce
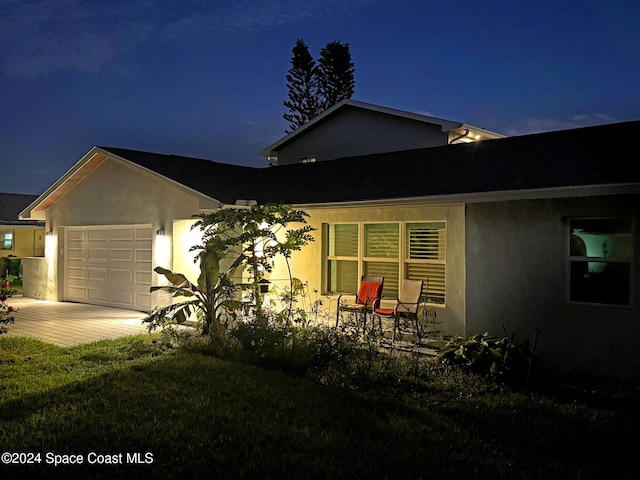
{"points": [[160, 233], [48, 233]]}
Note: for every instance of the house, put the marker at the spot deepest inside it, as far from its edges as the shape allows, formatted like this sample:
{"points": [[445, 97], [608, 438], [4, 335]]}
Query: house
{"points": [[536, 233], [352, 128], [18, 238]]}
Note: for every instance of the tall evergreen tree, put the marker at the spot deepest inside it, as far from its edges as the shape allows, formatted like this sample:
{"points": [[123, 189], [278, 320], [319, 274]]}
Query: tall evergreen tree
{"points": [[302, 83], [336, 79]]}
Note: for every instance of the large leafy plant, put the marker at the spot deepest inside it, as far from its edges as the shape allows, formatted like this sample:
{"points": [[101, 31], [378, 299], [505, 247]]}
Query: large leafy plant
{"points": [[232, 239]]}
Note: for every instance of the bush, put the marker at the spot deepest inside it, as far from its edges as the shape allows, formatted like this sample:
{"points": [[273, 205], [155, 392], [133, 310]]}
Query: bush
{"points": [[501, 357]]}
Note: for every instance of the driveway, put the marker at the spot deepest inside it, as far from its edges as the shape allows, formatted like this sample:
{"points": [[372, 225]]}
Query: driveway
{"points": [[66, 324]]}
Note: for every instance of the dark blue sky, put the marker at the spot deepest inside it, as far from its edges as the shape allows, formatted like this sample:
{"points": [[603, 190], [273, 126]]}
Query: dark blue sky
{"points": [[207, 78]]}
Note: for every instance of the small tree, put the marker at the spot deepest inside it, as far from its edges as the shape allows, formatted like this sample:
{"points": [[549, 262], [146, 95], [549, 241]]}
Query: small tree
{"points": [[255, 237], [302, 83], [232, 239]]}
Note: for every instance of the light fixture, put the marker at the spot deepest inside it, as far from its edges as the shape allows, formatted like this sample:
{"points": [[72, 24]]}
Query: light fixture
{"points": [[48, 233], [160, 232]]}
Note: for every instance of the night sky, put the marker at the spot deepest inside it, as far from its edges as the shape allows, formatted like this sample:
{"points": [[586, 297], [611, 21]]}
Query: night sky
{"points": [[207, 78]]}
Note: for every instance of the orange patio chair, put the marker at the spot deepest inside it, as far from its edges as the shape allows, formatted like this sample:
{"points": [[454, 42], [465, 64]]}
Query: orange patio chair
{"points": [[364, 302]]}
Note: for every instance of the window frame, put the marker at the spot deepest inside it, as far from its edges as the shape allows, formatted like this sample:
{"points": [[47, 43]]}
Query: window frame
{"points": [[3, 240], [402, 261], [573, 259]]}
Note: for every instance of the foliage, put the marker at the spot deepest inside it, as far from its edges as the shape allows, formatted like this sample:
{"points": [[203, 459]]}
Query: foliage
{"points": [[302, 84], [312, 88], [251, 238], [232, 240], [208, 301], [6, 311], [336, 74], [502, 357]]}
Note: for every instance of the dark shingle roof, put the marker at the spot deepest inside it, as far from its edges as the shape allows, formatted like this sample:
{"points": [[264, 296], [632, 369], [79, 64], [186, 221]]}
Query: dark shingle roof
{"points": [[11, 204], [570, 158], [221, 181]]}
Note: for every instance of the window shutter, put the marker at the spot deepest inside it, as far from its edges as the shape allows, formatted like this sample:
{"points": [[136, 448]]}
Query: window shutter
{"points": [[426, 256], [343, 240], [381, 240]]}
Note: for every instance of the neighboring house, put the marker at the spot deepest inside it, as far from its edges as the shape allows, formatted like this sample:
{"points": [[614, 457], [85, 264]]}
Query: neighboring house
{"points": [[352, 128], [18, 238], [537, 231]]}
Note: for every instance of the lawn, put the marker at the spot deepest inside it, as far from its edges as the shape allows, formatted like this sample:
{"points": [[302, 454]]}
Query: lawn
{"points": [[183, 413]]}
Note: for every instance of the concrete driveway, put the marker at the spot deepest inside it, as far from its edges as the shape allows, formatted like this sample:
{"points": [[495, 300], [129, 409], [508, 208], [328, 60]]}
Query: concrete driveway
{"points": [[66, 324]]}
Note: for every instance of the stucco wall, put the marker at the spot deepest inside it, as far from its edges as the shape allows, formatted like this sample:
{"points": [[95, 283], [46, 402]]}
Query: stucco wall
{"points": [[115, 194], [359, 132], [308, 264], [517, 271]]}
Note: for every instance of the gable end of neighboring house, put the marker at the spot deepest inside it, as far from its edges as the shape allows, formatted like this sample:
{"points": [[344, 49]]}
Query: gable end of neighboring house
{"points": [[353, 128]]}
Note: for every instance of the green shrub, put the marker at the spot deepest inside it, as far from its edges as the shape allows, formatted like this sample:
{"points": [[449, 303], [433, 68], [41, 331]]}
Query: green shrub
{"points": [[501, 357]]}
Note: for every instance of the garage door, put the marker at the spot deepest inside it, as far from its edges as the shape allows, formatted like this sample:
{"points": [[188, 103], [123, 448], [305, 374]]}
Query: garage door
{"points": [[109, 265]]}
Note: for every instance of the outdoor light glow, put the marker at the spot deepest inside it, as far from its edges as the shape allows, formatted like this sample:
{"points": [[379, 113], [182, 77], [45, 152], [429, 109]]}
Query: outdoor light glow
{"points": [[163, 251]]}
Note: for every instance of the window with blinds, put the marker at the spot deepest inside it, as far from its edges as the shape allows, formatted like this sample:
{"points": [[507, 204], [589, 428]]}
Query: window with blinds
{"points": [[342, 267], [421, 256], [425, 257], [381, 247]]}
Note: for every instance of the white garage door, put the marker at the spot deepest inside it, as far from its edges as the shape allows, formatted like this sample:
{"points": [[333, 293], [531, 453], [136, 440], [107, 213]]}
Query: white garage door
{"points": [[109, 265]]}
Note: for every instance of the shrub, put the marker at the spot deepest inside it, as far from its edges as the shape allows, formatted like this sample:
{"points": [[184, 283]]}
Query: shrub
{"points": [[6, 311], [501, 357]]}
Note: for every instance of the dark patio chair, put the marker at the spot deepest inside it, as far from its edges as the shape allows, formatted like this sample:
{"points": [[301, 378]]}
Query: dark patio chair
{"points": [[363, 303], [405, 311]]}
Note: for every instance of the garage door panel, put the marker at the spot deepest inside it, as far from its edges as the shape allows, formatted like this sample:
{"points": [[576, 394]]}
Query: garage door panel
{"points": [[143, 278], [122, 276], [97, 295], [121, 254], [109, 265], [98, 274]]}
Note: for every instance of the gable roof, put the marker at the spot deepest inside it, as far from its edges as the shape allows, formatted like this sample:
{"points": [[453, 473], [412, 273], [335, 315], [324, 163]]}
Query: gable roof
{"points": [[583, 161], [11, 204], [446, 125]]}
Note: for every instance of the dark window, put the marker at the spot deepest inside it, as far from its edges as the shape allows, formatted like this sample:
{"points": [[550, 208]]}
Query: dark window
{"points": [[600, 259]]}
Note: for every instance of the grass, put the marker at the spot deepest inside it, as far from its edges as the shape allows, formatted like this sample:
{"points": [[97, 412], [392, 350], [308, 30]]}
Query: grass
{"points": [[196, 415]]}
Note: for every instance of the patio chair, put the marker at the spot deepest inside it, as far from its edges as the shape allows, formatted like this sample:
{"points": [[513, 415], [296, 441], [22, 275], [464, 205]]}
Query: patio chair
{"points": [[405, 311], [364, 302]]}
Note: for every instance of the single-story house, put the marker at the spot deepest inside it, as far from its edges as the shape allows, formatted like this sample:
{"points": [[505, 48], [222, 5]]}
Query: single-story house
{"points": [[18, 238], [537, 232]]}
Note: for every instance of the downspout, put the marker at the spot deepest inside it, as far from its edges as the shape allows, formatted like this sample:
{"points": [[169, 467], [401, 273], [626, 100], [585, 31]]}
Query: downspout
{"points": [[466, 133]]}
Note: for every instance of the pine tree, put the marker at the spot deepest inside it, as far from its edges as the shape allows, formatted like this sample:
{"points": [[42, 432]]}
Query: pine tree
{"points": [[302, 83], [336, 80]]}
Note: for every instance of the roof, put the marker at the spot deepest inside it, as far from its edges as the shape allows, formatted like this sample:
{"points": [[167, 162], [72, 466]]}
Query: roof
{"points": [[11, 204], [581, 161], [583, 157], [220, 181], [446, 125]]}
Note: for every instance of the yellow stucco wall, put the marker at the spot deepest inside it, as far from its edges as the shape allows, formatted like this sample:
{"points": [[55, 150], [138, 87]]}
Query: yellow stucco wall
{"points": [[308, 264]]}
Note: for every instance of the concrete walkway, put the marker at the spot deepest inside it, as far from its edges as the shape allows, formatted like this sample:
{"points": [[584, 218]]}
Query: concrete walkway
{"points": [[66, 324]]}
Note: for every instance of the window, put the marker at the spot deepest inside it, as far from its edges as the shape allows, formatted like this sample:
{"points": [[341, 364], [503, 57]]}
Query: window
{"points": [[6, 237], [377, 249], [425, 257], [342, 268], [308, 159], [600, 259]]}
